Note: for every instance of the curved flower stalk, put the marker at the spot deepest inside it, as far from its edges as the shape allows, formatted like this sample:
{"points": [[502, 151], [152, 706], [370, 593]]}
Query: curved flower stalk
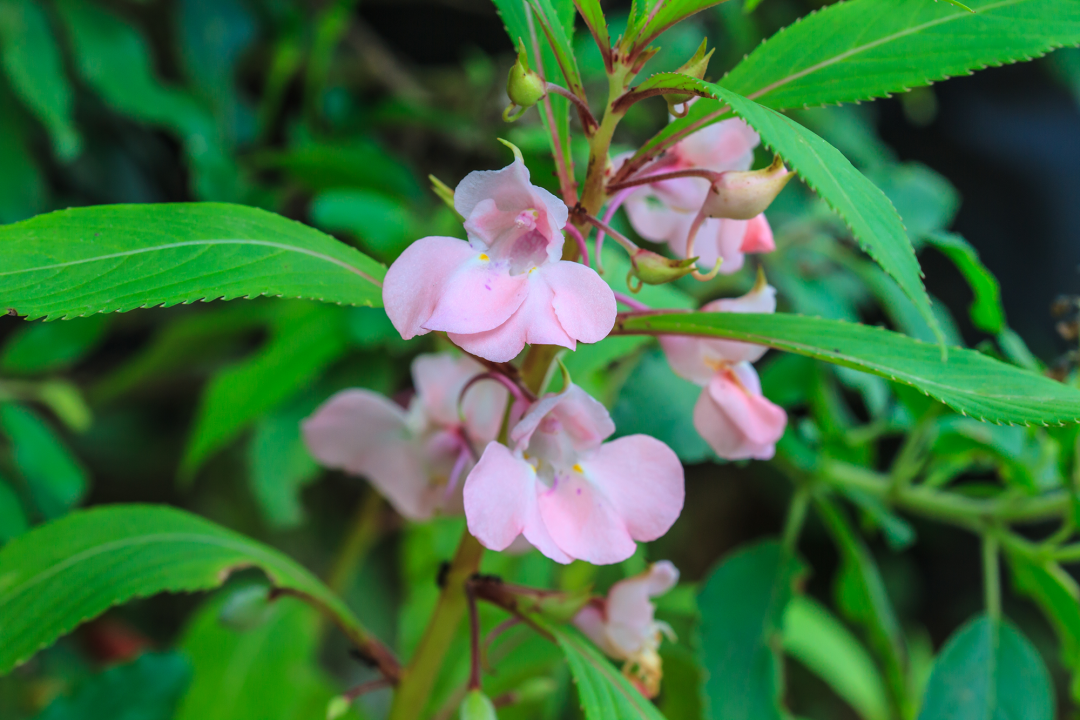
{"points": [[572, 495], [665, 211], [505, 287], [623, 624], [732, 415], [415, 457]]}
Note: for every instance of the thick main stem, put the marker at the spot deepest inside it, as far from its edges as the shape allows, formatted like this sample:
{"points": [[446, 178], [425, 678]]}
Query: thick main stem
{"points": [[419, 677]]}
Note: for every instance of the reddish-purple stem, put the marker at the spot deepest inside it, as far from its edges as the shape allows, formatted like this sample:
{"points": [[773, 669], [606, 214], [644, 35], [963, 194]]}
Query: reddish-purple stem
{"points": [[631, 302], [709, 175], [576, 234], [474, 638], [615, 204]]}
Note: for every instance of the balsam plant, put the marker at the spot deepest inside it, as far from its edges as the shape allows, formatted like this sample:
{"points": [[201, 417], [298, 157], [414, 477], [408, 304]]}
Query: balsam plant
{"points": [[509, 429]]}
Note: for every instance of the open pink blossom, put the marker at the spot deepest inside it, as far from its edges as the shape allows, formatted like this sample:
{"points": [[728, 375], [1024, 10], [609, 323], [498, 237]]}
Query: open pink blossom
{"points": [[664, 211], [571, 494], [624, 627], [507, 285], [731, 414], [415, 457]]}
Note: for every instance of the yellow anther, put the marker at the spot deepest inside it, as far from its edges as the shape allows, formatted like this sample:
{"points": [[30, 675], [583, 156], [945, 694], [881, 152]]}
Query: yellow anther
{"points": [[578, 469], [484, 257]]}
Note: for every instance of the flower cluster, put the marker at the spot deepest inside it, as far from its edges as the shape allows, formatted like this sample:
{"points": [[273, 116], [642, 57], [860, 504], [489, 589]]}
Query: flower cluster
{"points": [[544, 471]]}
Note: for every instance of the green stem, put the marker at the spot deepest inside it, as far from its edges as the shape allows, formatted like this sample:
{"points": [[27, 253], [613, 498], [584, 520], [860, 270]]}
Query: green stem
{"points": [[796, 518], [968, 512], [363, 534], [418, 678], [992, 576]]}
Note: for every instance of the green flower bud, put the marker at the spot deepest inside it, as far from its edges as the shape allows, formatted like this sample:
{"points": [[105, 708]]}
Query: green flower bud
{"points": [[476, 706], [534, 690], [524, 86], [653, 269], [337, 707], [694, 67], [246, 608]]}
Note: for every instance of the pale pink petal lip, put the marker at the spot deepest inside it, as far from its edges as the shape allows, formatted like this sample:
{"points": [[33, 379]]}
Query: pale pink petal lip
{"points": [[759, 236], [479, 296], [364, 433], [534, 322], [736, 420], [628, 601], [584, 522], [416, 280], [584, 304], [643, 479], [727, 145], [585, 419]]}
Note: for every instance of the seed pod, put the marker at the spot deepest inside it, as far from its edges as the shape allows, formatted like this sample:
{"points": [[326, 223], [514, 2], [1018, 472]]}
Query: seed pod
{"points": [[744, 195]]}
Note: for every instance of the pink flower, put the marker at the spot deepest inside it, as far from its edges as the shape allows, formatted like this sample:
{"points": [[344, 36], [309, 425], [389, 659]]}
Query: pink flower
{"points": [[731, 414], [567, 491], [664, 211], [623, 625], [507, 285], [415, 457]]}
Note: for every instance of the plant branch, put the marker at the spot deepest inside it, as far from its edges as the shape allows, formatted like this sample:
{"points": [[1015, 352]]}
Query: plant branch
{"points": [[661, 177], [992, 576], [588, 121]]}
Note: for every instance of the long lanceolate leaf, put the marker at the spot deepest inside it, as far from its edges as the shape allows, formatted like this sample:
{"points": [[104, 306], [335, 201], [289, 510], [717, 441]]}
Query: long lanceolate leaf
{"points": [[74, 569], [120, 257], [863, 49], [547, 14], [969, 382], [605, 694], [863, 206]]}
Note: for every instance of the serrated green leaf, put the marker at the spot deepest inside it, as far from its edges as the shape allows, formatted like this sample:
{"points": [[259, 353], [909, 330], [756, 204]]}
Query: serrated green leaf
{"points": [[988, 669], [121, 257], [661, 16], [862, 205], [863, 49], [41, 347], [559, 35], [986, 310], [71, 570], [148, 688], [1057, 595], [301, 346], [667, 83], [55, 478], [742, 605], [817, 639], [593, 15], [969, 382], [263, 673], [602, 689], [31, 58]]}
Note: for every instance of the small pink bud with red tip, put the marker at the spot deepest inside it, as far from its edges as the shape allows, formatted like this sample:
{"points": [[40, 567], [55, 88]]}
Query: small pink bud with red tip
{"points": [[742, 195]]}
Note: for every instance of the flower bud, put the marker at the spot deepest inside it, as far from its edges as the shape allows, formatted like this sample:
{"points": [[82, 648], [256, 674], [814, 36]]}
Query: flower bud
{"points": [[653, 269], [247, 608], [524, 86], [534, 690], [744, 195], [694, 67], [476, 706], [337, 707]]}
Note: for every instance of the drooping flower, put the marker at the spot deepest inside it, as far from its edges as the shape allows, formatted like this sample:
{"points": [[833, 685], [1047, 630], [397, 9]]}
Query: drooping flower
{"points": [[571, 494], [414, 458], [507, 285], [623, 624], [664, 211], [732, 415]]}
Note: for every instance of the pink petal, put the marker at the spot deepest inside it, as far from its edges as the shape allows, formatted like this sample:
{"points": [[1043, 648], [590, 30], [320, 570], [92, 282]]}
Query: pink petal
{"points": [[414, 283], [534, 322], [439, 380], [735, 419], [629, 606], [759, 237], [644, 480], [584, 522], [491, 202], [656, 221], [584, 303], [590, 620], [480, 295], [363, 433], [716, 238], [500, 503], [579, 415], [688, 358], [727, 145]]}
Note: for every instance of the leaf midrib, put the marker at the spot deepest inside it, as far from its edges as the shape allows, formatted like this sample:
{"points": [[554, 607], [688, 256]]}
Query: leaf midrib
{"points": [[196, 243], [193, 538], [870, 46]]}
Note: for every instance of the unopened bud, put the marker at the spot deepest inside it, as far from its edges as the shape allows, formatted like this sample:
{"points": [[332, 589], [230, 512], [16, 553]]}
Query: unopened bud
{"points": [[476, 706], [654, 269], [744, 195], [695, 67], [246, 608], [524, 86]]}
